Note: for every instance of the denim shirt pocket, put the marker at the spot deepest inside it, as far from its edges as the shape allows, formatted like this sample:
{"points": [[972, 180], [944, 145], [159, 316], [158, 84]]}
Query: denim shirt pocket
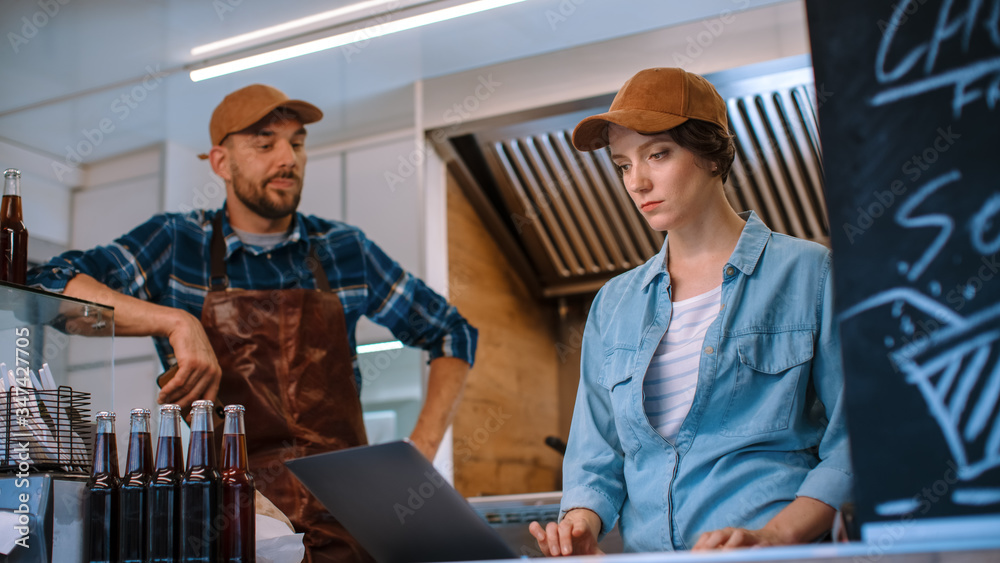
{"points": [[616, 377], [768, 373]]}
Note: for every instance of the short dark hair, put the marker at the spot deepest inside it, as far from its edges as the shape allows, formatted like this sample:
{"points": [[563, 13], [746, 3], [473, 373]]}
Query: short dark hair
{"points": [[708, 142]]}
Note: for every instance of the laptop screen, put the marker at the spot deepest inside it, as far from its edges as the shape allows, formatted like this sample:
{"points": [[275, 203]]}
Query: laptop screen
{"points": [[397, 505]]}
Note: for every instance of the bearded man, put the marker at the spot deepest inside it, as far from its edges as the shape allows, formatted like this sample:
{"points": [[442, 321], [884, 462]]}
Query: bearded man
{"points": [[256, 304]]}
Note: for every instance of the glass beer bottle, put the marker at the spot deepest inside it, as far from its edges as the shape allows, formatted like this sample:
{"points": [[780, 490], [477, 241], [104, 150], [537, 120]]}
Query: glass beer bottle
{"points": [[135, 489], [238, 506], [103, 488], [164, 531], [14, 255], [200, 490]]}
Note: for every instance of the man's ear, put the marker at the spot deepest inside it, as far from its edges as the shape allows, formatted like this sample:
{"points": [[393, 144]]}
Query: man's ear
{"points": [[219, 157]]}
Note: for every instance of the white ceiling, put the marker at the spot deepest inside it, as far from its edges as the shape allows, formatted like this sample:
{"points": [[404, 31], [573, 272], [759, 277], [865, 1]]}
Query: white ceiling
{"points": [[67, 74]]}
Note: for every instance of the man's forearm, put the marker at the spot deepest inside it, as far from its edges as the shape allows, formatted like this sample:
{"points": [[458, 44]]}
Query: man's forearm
{"points": [[133, 317], [444, 390], [198, 374]]}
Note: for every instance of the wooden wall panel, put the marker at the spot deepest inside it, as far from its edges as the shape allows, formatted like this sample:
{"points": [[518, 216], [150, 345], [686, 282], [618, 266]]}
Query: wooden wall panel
{"points": [[572, 321], [511, 401]]}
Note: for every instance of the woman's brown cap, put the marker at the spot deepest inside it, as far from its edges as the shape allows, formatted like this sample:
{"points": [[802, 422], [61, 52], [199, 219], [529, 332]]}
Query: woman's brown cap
{"points": [[653, 101], [248, 105]]}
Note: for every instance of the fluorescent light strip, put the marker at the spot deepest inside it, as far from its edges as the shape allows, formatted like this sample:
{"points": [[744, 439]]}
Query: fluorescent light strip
{"points": [[379, 347], [284, 27], [339, 40]]}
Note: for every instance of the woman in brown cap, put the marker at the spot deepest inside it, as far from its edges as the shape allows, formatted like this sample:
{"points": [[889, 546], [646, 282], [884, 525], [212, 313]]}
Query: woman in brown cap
{"points": [[710, 409]]}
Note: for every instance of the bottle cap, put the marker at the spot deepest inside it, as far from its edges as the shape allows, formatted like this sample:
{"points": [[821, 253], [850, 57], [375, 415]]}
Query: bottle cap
{"points": [[234, 408], [169, 408], [105, 414], [135, 412], [203, 403], [12, 173]]}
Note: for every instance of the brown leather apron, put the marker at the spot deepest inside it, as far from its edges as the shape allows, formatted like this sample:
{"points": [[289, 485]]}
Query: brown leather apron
{"points": [[285, 357]]}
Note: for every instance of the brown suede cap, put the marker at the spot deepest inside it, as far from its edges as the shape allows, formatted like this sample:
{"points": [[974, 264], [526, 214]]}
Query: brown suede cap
{"points": [[248, 105], [653, 101]]}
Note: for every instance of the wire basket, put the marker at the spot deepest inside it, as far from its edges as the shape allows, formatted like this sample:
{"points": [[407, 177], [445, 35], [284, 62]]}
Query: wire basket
{"points": [[45, 430]]}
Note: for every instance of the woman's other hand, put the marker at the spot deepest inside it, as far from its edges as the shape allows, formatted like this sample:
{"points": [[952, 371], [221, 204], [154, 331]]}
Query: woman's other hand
{"points": [[727, 538], [803, 520], [576, 534]]}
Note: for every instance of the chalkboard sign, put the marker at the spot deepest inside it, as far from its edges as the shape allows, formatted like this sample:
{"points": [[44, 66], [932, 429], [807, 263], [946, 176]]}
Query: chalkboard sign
{"points": [[910, 128]]}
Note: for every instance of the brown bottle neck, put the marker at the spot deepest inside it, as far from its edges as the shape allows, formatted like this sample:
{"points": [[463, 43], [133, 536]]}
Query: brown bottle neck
{"points": [[168, 453], [106, 454], [201, 450], [10, 209], [140, 454], [234, 451]]}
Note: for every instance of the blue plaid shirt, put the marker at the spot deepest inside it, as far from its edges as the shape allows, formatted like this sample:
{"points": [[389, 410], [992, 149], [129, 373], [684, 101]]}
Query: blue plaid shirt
{"points": [[166, 260]]}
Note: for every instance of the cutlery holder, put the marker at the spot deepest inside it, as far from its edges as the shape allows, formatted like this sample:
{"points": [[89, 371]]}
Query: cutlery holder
{"points": [[49, 430]]}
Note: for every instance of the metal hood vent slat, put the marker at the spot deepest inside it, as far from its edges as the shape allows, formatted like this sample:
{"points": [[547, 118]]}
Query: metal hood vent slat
{"points": [[594, 255], [610, 208], [602, 239], [777, 171], [524, 216], [567, 223]]}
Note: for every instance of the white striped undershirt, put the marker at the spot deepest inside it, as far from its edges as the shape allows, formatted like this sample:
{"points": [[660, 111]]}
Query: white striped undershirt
{"points": [[672, 376]]}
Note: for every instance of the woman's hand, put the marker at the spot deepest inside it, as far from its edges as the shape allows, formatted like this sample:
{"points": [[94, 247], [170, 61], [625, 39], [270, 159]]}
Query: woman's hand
{"points": [[575, 535], [728, 538], [802, 520]]}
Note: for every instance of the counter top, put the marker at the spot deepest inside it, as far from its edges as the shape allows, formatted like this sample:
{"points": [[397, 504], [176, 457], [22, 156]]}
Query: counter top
{"points": [[953, 551]]}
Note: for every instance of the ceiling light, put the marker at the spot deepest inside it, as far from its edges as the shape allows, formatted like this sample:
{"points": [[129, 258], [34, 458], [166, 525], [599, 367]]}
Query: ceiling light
{"points": [[284, 27], [379, 347], [347, 38]]}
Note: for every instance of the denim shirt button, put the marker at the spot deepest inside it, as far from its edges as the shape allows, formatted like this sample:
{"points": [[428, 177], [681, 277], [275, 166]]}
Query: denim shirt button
{"points": [[730, 271], [709, 350]]}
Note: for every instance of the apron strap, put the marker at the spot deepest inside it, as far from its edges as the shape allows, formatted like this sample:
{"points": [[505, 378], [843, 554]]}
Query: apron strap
{"points": [[219, 281], [322, 282]]}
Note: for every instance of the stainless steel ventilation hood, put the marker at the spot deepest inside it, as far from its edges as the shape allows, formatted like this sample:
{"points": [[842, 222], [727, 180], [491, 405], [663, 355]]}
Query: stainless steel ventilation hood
{"points": [[563, 218]]}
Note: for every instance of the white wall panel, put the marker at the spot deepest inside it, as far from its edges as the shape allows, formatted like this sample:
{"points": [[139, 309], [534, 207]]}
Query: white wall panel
{"points": [[188, 182], [46, 192], [46, 212], [135, 388], [323, 192], [382, 198], [102, 214], [51, 167], [125, 167]]}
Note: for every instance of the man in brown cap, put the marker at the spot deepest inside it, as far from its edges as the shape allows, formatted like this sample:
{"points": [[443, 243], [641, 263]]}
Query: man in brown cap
{"points": [[256, 304]]}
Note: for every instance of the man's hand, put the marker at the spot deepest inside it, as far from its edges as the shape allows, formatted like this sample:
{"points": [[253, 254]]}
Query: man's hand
{"points": [[575, 535], [198, 372], [728, 538]]}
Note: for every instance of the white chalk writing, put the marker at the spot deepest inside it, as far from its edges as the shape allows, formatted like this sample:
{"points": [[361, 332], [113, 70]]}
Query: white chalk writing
{"points": [[964, 79]]}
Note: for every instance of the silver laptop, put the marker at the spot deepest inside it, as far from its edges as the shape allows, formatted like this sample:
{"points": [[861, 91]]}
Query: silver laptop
{"points": [[393, 501]]}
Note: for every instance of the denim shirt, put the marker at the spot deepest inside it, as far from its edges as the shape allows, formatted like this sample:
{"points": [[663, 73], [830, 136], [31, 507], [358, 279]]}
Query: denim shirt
{"points": [[767, 422]]}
